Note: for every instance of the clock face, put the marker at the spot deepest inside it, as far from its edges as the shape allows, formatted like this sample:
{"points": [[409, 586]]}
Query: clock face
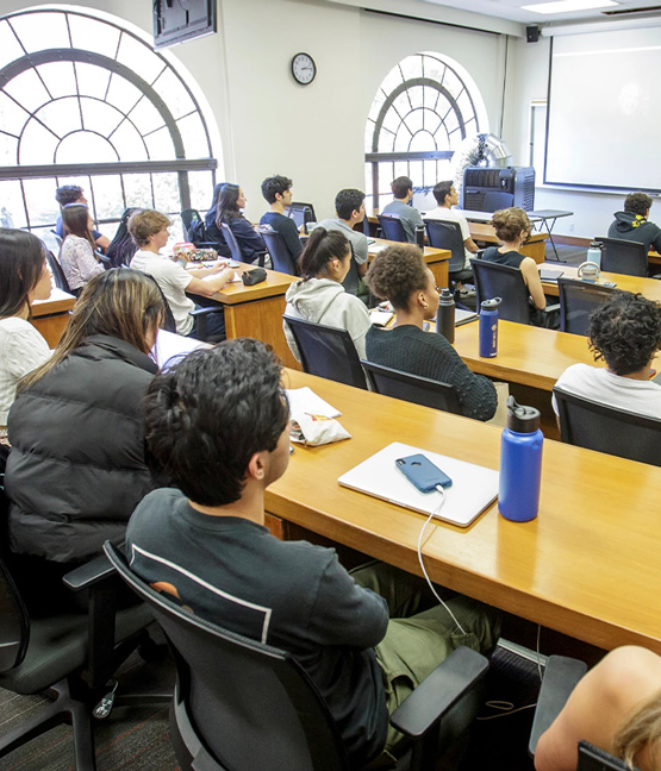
{"points": [[303, 69]]}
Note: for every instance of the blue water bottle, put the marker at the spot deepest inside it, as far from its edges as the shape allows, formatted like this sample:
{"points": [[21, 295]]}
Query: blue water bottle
{"points": [[520, 463], [489, 328]]}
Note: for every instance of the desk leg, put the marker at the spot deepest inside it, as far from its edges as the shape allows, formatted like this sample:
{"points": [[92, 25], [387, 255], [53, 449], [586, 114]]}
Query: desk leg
{"points": [[262, 320]]}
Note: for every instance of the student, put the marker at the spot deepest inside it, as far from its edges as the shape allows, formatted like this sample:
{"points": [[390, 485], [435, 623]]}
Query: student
{"points": [[123, 247], [320, 296], [212, 232], [149, 229], [632, 223], [350, 209], [77, 256], [399, 274], [78, 468], [446, 197], [616, 707], [277, 192], [626, 334], [24, 277], [512, 228], [74, 194], [230, 203], [402, 190], [205, 544]]}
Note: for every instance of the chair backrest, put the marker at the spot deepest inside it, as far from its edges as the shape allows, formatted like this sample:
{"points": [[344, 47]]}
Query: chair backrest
{"points": [[188, 218], [595, 426], [270, 713], [495, 201], [493, 280], [392, 227], [412, 388], [56, 269], [327, 352], [578, 300], [591, 758], [230, 239], [301, 213], [447, 235], [620, 256], [282, 259]]}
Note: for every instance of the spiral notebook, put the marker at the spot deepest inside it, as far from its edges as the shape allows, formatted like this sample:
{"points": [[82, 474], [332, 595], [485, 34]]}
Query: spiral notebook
{"points": [[474, 488]]}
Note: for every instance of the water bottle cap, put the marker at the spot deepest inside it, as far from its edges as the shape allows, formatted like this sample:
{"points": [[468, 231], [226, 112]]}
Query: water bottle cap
{"points": [[596, 245], [490, 305], [522, 419], [446, 295]]}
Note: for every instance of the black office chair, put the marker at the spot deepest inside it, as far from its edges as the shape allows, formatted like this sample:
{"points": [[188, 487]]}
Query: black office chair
{"points": [[494, 280], [578, 301], [496, 201], [243, 705], [235, 249], [56, 269], [280, 255], [620, 256], [301, 213], [392, 227], [595, 426], [412, 388], [447, 235], [327, 352]]}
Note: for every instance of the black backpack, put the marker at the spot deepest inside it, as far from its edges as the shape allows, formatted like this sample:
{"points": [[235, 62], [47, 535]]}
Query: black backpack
{"points": [[197, 232]]}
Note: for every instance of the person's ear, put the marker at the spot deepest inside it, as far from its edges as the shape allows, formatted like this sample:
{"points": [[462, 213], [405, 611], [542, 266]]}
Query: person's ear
{"points": [[422, 300], [257, 466]]}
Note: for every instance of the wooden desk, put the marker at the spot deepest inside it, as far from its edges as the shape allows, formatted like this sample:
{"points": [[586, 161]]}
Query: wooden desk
{"points": [[256, 311], [648, 287], [437, 259], [653, 258], [51, 316], [588, 566], [534, 247]]}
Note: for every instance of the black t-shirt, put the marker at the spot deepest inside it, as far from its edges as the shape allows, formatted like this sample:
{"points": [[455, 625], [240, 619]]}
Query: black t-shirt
{"points": [[512, 259], [289, 594], [287, 229]]}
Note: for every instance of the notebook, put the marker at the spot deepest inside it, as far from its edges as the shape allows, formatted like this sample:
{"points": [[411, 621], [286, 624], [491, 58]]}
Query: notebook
{"points": [[462, 316], [474, 488], [550, 275]]}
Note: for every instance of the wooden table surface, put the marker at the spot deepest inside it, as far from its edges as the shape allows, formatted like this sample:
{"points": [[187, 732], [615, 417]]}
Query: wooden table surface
{"points": [[588, 566], [437, 259], [256, 311], [534, 247], [648, 287], [51, 316]]}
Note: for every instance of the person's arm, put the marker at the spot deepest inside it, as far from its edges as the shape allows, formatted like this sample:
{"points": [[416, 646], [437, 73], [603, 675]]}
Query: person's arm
{"points": [[101, 241], [83, 256], [213, 285], [249, 241], [599, 704], [290, 234], [469, 244], [531, 277]]}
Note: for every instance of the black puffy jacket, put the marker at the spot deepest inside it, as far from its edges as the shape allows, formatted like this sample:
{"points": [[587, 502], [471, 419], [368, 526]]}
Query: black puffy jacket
{"points": [[77, 466]]}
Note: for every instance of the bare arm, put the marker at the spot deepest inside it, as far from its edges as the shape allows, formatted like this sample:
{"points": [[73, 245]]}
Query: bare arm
{"points": [[102, 242], [209, 288], [471, 245], [202, 272], [531, 277]]}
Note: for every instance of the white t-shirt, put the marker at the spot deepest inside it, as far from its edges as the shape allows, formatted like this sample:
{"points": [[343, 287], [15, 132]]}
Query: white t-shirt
{"points": [[22, 349], [600, 385], [453, 215], [173, 280]]}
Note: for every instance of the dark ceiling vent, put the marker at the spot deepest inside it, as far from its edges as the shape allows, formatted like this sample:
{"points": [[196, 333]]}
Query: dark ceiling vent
{"points": [[650, 9]]}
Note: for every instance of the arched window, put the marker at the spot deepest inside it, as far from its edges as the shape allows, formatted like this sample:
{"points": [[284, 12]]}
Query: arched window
{"points": [[423, 109], [87, 102]]}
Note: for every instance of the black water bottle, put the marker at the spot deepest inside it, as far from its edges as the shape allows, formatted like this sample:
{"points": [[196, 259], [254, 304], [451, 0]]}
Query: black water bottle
{"points": [[420, 236], [445, 315]]}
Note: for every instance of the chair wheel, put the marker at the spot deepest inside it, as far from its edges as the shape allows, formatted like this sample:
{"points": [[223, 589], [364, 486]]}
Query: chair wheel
{"points": [[104, 707]]}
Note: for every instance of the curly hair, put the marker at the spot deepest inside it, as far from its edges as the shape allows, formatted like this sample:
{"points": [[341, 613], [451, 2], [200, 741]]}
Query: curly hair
{"points": [[510, 223], [638, 203], [396, 273], [626, 332]]}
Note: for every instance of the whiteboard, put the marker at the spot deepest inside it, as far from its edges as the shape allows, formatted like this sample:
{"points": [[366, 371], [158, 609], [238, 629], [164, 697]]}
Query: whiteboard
{"points": [[604, 114]]}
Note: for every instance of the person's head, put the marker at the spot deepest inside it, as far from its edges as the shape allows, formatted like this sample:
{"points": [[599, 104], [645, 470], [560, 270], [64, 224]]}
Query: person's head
{"points": [[149, 228], [401, 187], [626, 333], [230, 202], [217, 418], [122, 248], [350, 204], [638, 203], [277, 188], [24, 275], [215, 198], [445, 193], [70, 194], [640, 734], [327, 254], [399, 274], [122, 303], [77, 221], [511, 225]]}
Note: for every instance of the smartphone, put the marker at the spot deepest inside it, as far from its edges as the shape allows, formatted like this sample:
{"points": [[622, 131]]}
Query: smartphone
{"points": [[609, 284], [422, 473]]}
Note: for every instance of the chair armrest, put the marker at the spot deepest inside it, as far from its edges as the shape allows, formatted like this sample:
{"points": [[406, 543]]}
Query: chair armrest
{"points": [[561, 676], [555, 308], [206, 310], [89, 574], [439, 692]]}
